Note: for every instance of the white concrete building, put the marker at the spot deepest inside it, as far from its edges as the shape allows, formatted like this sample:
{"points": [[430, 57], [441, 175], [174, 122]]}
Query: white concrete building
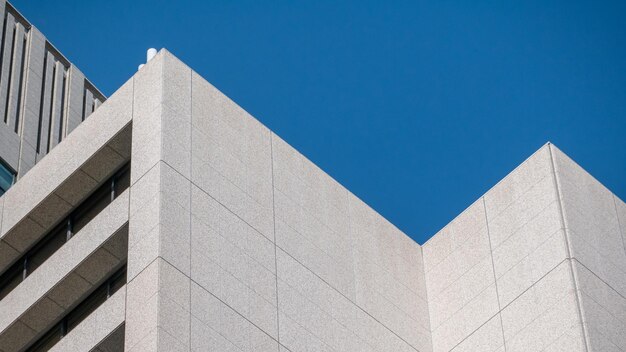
{"points": [[172, 220]]}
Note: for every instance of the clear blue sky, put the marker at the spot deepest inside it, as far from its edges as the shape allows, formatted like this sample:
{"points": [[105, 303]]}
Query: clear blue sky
{"points": [[417, 107]]}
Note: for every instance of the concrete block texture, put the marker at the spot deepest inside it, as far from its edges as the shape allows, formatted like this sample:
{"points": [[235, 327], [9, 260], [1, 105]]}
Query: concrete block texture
{"points": [[593, 219], [215, 196], [237, 242], [550, 229], [296, 260]]}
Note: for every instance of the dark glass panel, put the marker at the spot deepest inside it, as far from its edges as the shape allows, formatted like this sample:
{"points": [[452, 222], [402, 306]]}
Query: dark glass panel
{"points": [[91, 207], [48, 340], [52, 243], [6, 178], [86, 307], [11, 278], [122, 181]]}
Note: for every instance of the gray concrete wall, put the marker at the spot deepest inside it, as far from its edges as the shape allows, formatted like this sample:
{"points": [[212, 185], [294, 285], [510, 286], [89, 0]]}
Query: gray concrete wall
{"points": [[595, 226], [268, 252], [238, 242], [499, 276], [536, 264], [43, 97], [42, 198]]}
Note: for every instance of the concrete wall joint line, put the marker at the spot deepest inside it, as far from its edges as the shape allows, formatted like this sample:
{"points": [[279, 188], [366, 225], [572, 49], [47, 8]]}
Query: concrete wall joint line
{"points": [[348, 328], [599, 278], [493, 268], [621, 226], [238, 217], [344, 296], [130, 189], [460, 245], [275, 245], [594, 247], [609, 311], [568, 246], [229, 307], [430, 322], [472, 333], [190, 192], [531, 252]]}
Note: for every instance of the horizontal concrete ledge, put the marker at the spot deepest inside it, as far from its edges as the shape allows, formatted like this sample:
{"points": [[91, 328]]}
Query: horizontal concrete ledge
{"points": [[68, 194], [104, 321], [66, 277], [69, 172]]}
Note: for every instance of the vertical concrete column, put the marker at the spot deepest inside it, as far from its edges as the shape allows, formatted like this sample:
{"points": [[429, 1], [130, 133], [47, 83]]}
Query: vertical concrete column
{"points": [[16, 79], [46, 109], [158, 290], [32, 100], [6, 61], [2, 10], [594, 233], [58, 116], [75, 99]]}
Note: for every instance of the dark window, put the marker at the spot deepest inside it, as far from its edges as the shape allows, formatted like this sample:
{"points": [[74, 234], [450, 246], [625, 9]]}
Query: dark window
{"points": [[64, 231], [7, 177], [82, 311]]}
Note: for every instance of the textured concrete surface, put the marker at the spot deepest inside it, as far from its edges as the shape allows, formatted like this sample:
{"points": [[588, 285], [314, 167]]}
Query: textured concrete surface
{"points": [[267, 249], [55, 96], [237, 242]]}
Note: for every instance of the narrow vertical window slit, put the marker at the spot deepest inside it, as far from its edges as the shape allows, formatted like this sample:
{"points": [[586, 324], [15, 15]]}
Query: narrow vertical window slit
{"points": [[43, 92]]}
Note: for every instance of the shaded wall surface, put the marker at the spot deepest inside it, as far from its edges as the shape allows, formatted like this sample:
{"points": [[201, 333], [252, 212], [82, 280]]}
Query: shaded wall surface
{"points": [[43, 97]]}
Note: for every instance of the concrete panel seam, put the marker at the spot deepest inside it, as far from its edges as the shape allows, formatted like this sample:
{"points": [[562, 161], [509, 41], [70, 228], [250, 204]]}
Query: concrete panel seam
{"points": [[512, 202], [239, 188], [239, 218], [568, 246], [460, 309], [460, 245], [493, 268], [589, 245], [513, 266], [275, 245], [474, 331], [344, 296], [342, 324], [130, 190], [353, 269], [607, 310], [599, 278], [190, 196], [531, 252], [514, 232], [25, 76], [619, 223], [430, 323], [229, 307], [512, 303]]}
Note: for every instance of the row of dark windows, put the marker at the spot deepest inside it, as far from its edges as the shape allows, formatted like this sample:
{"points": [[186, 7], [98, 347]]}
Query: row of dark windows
{"points": [[82, 311], [64, 231]]}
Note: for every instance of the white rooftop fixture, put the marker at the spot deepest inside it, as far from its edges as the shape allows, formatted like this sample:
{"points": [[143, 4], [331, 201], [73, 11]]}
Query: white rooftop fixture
{"points": [[151, 53]]}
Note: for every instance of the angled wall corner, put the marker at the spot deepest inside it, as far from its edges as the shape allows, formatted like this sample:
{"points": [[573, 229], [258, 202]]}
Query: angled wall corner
{"points": [[594, 224], [158, 289], [237, 241], [499, 276]]}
